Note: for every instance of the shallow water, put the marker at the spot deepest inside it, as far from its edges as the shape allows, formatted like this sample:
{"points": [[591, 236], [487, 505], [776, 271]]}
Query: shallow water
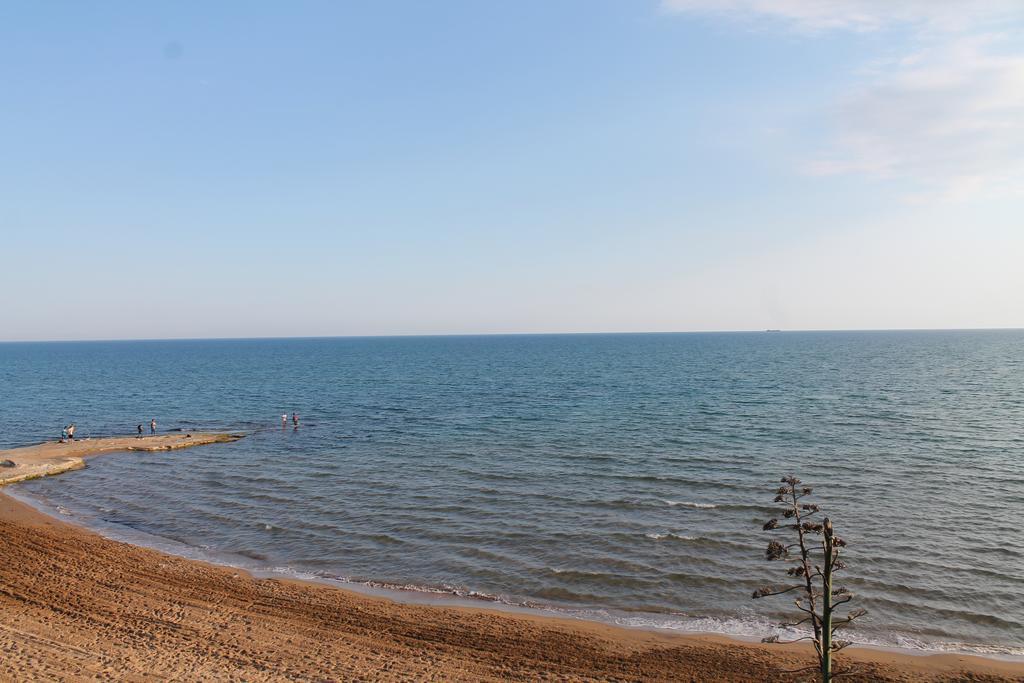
{"points": [[621, 477]]}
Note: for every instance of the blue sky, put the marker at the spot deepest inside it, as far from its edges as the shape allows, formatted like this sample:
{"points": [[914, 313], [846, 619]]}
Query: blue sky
{"points": [[186, 169]]}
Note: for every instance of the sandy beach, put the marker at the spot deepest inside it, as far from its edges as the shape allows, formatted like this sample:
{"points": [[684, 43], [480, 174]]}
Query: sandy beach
{"points": [[77, 606], [661, 340]]}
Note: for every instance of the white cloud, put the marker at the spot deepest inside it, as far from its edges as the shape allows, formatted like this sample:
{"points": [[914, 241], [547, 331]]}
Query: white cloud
{"points": [[855, 15], [947, 115]]}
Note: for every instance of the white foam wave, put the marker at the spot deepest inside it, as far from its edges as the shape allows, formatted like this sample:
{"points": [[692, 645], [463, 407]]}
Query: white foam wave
{"points": [[397, 588], [678, 537], [688, 504], [757, 627]]}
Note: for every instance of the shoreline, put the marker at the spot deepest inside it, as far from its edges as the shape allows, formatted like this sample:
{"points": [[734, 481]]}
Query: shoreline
{"points": [[425, 596], [73, 596], [450, 633]]}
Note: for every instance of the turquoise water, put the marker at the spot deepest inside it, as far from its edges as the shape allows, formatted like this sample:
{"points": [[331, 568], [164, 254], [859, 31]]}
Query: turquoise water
{"points": [[615, 477]]}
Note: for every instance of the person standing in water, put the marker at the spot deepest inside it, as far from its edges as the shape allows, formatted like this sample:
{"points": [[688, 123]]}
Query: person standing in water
{"points": [[295, 419], [284, 420], [152, 426]]}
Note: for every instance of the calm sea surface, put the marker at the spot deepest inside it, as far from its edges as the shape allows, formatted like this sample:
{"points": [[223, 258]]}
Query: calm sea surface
{"points": [[614, 477]]}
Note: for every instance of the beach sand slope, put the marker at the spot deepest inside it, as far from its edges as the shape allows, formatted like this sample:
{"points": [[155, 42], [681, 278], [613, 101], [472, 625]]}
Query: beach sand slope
{"points": [[76, 606]]}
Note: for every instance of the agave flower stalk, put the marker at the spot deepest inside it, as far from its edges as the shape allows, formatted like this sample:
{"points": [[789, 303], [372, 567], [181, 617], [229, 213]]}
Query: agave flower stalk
{"points": [[814, 554]]}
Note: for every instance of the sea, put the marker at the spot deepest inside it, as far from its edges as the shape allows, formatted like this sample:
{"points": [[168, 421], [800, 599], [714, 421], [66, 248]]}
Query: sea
{"points": [[623, 478]]}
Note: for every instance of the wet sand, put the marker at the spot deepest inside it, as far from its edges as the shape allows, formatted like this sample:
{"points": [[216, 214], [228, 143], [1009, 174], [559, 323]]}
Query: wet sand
{"points": [[76, 606]]}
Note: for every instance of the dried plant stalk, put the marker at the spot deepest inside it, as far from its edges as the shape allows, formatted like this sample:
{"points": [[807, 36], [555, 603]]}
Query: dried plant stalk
{"points": [[814, 555]]}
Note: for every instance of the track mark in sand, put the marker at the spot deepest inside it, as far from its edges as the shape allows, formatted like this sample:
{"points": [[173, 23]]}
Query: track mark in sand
{"points": [[49, 643]]}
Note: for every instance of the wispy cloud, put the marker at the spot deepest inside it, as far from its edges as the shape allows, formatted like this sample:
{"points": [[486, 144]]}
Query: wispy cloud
{"points": [[947, 114], [950, 116], [855, 15]]}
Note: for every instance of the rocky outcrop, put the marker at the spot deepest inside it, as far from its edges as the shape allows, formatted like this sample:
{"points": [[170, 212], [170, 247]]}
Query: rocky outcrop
{"points": [[57, 457]]}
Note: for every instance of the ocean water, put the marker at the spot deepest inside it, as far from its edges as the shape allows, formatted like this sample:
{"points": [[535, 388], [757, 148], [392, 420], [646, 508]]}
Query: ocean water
{"points": [[615, 477]]}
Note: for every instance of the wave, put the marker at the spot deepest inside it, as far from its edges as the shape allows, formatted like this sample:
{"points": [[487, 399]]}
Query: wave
{"points": [[390, 586], [753, 507], [758, 627], [669, 535], [688, 504]]}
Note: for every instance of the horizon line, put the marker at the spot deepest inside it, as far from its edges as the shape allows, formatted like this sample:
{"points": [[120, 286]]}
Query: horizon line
{"points": [[511, 334]]}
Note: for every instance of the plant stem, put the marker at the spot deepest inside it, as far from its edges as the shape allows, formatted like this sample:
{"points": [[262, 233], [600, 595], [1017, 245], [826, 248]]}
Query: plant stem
{"points": [[826, 607], [805, 560]]}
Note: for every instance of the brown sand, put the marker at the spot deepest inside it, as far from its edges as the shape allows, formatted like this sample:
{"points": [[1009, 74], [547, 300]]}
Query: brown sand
{"points": [[76, 606]]}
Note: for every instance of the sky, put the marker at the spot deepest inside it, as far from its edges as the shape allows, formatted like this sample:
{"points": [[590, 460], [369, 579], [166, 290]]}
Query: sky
{"points": [[239, 169]]}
